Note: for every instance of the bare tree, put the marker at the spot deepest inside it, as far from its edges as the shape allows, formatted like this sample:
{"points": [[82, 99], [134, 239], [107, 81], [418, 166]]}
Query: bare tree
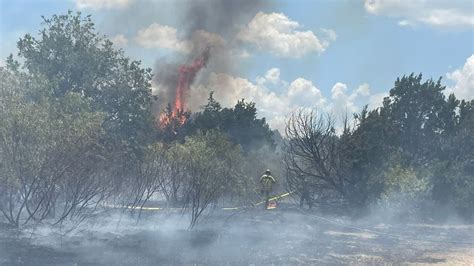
{"points": [[315, 167]]}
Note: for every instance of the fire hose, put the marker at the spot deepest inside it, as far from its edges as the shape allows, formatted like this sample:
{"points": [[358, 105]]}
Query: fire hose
{"points": [[224, 208], [326, 220], [261, 202]]}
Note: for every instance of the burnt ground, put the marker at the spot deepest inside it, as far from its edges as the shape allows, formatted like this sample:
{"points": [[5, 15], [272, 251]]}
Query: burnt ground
{"points": [[280, 236]]}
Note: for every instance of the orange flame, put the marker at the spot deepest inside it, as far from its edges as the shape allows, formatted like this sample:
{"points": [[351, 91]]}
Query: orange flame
{"points": [[187, 74]]}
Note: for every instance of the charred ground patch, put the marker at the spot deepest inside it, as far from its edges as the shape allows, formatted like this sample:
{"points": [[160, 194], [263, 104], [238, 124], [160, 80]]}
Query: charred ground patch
{"points": [[282, 236]]}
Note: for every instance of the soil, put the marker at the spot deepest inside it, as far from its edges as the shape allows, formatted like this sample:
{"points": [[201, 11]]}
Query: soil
{"points": [[285, 236]]}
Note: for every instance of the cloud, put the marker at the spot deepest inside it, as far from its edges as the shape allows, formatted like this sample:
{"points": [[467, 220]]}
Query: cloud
{"points": [[276, 106], [277, 34], [463, 80], [243, 54], [272, 79], [376, 100], [161, 36], [363, 89], [329, 36], [342, 103], [345, 103], [302, 92], [119, 40], [102, 4], [436, 13], [273, 75], [166, 37]]}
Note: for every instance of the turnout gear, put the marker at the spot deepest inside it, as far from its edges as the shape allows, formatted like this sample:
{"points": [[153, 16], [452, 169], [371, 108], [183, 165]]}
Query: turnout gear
{"points": [[266, 182]]}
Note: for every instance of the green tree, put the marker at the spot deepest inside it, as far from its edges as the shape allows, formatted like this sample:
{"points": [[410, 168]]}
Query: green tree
{"points": [[366, 150], [453, 174], [240, 124], [418, 114], [214, 170], [49, 152], [71, 55], [210, 117]]}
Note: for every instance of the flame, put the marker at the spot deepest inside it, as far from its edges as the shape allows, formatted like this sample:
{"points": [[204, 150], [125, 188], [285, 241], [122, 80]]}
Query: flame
{"points": [[187, 74], [172, 118]]}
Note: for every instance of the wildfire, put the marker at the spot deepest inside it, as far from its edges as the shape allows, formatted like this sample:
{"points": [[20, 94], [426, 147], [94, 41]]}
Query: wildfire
{"points": [[187, 74]]}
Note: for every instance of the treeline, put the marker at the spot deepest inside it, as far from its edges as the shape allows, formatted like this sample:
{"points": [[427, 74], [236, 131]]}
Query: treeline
{"points": [[77, 134], [415, 153]]}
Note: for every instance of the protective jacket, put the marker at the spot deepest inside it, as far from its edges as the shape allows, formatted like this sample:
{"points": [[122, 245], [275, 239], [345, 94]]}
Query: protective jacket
{"points": [[267, 182]]}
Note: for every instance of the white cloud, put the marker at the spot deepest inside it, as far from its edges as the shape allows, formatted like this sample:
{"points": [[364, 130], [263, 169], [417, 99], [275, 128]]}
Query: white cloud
{"points": [[363, 89], [243, 54], [161, 36], [273, 75], [229, 89], [102, 4], [302, 92], [277, 34], [406, 23], [463, 80], [119, 40], [271, 78], [345, 103], [331, 35], [376, 100], [436, 13], [342, 103], [166, 37], [276, 106]]}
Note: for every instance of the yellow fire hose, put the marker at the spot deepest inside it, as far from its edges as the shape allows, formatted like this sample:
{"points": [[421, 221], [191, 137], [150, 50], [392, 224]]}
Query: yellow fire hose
{"points": [[261, 202], [224, 208], [275, 198]]}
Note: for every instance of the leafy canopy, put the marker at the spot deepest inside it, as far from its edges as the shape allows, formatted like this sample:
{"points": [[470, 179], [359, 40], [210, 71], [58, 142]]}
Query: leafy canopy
{"points": [[71, 55]]}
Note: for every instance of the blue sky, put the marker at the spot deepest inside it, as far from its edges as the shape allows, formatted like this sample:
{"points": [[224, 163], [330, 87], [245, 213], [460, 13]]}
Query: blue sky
{"points": [[339, 54]]}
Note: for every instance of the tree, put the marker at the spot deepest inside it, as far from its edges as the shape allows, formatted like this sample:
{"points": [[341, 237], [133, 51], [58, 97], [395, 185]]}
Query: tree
{"points": [[463, 143], [176, 173], [418, 114], [210, 116], [213, 170], [50, 154], [453, 182], [315, 167], [240, 124], [148, 178], [432, 133], [367, 151], [72, 57], [173, 126]]}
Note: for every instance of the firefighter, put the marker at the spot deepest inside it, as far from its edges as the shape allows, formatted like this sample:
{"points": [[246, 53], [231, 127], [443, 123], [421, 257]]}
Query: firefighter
{"points": [[266, 182]]}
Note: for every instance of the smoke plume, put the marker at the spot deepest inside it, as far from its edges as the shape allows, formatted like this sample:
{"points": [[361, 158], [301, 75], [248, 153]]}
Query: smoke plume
{"points": [[209, 28]]}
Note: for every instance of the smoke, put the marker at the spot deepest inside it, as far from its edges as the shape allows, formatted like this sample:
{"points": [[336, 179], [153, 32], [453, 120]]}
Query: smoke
{"points": [[204, 24], [282, 236]]}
